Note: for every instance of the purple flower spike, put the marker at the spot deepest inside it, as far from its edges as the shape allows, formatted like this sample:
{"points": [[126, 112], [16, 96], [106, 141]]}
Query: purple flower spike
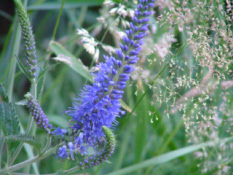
{"points": [[98, 105], [37, 113], [29, 39]]}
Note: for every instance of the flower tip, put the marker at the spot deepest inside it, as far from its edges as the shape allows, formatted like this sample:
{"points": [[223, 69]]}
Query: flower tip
{"points": [[28, 96]]}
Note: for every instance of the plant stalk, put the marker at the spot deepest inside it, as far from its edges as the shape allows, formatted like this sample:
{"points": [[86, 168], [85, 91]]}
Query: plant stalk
{"points": [[28, 162]]}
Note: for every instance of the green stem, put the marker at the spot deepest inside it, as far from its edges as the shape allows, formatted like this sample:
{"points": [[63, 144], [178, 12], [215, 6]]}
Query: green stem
{"points": [[2, 141], [82, 15], [34, 88], [10, 78], [48, 143], [28, 162], [34, 94], [8, 154], [58, 20]]}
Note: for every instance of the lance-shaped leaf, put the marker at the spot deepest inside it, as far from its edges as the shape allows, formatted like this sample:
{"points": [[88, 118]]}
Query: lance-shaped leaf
{"points": [[66, 57], [9, 122], [23, 68], [24, 138], [68, 5]]}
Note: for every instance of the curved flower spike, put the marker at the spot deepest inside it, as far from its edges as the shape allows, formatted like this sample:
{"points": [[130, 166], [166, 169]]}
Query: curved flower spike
{"points": [[28, 37], [104, 154], [37, 113], [95, 159]]}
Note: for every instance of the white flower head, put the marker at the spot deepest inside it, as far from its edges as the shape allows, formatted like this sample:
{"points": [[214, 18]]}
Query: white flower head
{"points": [[89, 43]]}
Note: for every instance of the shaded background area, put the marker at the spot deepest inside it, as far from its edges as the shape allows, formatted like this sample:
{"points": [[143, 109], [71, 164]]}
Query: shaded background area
{"points": [[7, 11]]}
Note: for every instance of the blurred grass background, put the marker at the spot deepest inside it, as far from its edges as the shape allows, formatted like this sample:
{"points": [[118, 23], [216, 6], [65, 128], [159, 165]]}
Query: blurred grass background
{"points": [[140, 135]]}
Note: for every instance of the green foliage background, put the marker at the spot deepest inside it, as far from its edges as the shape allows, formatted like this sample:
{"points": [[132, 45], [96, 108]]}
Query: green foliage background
{"points": [[146, 144]]}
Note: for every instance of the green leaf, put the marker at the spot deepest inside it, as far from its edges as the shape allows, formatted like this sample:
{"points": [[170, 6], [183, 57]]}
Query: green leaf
{"points": [[60, 172], [24, 138], [58, 120], [68, 4], [168, 156], [141, 128], [8, 119], [71, 60], [23, 68], [22, 102]]}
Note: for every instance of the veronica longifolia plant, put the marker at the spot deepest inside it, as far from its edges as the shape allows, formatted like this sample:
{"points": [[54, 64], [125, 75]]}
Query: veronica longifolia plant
{"points": [[98, 106]]}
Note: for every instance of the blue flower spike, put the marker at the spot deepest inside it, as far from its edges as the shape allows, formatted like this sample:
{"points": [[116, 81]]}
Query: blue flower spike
{"points": [[98, 105], [37, 113]]}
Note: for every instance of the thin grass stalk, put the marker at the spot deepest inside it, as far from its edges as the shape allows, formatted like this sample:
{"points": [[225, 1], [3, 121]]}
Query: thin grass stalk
{"points": [[58, 20]]}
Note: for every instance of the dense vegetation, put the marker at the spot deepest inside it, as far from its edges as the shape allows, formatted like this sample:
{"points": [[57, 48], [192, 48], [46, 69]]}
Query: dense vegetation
{"points": [[176, 110]]}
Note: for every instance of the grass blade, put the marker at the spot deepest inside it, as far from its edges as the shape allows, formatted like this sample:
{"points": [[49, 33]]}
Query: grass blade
{"points": [[168, 156], [24, 138], [69, 4]]}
